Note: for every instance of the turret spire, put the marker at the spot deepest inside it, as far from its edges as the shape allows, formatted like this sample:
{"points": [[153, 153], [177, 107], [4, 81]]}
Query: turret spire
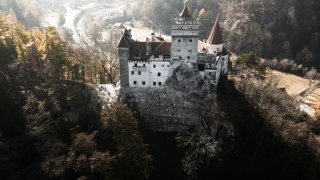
{"points": [[185, 12], [215, 36]]}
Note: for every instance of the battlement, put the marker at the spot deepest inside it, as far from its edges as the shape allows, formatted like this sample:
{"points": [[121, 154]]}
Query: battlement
{"points": [[160, 59], [182, 21]]}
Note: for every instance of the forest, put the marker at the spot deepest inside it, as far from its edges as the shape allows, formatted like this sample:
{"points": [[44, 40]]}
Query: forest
{"points": [[271, 28]]}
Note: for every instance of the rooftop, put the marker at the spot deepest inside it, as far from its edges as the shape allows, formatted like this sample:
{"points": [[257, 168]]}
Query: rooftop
{"points": [[215, 36]]}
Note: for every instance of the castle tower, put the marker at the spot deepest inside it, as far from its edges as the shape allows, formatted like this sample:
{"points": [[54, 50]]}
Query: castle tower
{"points": [[185, 32], [123, 49], [215, 39]]}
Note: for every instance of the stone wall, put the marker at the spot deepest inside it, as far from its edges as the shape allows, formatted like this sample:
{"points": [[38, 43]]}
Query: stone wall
{"points": [[176, 106]]}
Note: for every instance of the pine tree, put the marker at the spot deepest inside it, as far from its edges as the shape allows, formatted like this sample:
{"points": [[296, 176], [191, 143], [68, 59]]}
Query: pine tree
{"points": [[55, 52]]}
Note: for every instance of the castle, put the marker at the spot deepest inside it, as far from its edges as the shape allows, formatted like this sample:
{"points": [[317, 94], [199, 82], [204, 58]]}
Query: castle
{"points": [[149, 64]]}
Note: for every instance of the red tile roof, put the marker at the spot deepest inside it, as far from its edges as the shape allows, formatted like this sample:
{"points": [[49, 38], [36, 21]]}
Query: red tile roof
{"points": [[215, 36], [137, 51], [163, 49]]}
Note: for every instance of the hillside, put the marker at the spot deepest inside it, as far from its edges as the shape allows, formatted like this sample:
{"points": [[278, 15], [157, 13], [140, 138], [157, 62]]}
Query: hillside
{"points": [[269, 28]]}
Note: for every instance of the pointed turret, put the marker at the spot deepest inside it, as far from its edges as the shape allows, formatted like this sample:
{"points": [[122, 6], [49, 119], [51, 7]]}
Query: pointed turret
{"points": [[185, 12], [126, 37], [215, 36]]}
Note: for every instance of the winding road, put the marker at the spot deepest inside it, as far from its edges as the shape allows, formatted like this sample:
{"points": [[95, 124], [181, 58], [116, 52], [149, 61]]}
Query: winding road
{"points": [[74, 17]]}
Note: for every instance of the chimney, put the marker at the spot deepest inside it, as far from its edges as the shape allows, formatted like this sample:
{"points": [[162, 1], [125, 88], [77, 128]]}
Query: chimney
{"points": [[129, 34], [148, 47], [153, 36]]}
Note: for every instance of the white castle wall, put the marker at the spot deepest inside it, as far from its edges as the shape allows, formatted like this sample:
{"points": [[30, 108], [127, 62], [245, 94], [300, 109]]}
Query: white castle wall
{"points": [[215, 48], [151, 74], [139, 73]]}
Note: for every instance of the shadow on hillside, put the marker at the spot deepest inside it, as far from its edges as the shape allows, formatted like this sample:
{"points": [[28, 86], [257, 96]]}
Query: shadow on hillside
{"points": [[259, 153], [38, 118]]}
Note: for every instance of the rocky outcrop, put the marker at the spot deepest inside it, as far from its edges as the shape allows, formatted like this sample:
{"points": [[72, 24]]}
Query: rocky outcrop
{"points": [[179, 106]]}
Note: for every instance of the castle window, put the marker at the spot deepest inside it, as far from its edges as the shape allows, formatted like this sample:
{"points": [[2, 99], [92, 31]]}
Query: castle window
{"points": [[188, 57], [134, 82], [143, 83], [132, 72], [154, 66], [162, 65], [167, 65], [179, 42], [180, 57], [144, 65], [159, 74], [135, 64], [139, 72], [159, 83], [124, 52], [154, 83]]}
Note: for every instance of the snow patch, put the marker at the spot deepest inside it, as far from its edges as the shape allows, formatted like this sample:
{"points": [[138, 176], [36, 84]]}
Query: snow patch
{"points": [[108, 93], [307, 109]]}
